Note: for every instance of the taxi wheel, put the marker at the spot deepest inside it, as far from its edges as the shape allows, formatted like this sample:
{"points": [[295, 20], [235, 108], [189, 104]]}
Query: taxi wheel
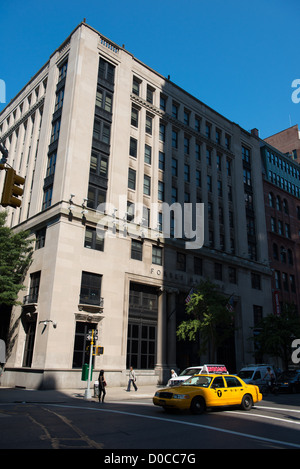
{"points": [[247, 402], [198, 405]]}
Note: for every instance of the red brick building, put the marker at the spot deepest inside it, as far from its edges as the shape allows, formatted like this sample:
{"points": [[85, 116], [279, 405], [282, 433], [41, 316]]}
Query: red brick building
{"points": [[282, 207]]}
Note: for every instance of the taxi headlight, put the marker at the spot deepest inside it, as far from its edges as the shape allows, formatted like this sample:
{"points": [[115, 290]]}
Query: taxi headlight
{"points": [[181, 396]]}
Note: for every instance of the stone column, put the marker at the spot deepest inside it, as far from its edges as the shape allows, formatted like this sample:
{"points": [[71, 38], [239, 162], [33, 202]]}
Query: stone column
{"points": [[161, 364], [172, 329]]}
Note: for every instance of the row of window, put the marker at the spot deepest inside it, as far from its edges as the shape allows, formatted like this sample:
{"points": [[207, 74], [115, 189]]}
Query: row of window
{"points": [[284, 281], [284, 184], [284, 165], [55, 131], [187, 117], [24, 106], [283, 229]]}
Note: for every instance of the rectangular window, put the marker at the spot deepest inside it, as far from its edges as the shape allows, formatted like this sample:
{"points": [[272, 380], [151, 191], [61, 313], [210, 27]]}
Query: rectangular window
{"points": [[106, 71], [246, 154], [181, 261], [148, 125], [33, 293], [174, 139], [186, 117], [133, 147], [163, 102], [136, 250], [40, 238], [141, 346], [101, 131], [147, 156], [51, 164], [92, 240], [131, 178], [162, 132], [62, 71], [82, 344], [197, 266], [47, 199], [99, 164], [96, 197], [174, 167], [55, 131], [175, 110], [90, 291], [186, 173], [150, 92], [156, 255], [161, 161], [104, 100], [197, 151], [255, 281], [134, 117], [136, 86], [161, 190], [186, 145], [59, 99], [147, 185]]}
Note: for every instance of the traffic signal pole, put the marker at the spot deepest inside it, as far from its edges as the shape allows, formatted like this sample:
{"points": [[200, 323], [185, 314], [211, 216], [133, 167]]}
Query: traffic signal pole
{"points": [[87, 394]]}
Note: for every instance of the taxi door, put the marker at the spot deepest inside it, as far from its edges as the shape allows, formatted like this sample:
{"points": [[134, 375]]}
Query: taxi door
{"points": [[234, 390], [216, 392]]}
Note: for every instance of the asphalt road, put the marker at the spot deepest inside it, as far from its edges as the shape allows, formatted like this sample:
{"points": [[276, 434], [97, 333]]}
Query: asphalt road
{"points": [[128, 426]]}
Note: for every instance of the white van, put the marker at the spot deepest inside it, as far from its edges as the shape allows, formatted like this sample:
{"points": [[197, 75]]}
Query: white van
{"points": [[194, 370], [255, 374]]}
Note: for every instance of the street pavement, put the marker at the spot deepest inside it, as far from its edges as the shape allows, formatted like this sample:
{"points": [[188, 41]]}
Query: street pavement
{"points": [[113, 393]]}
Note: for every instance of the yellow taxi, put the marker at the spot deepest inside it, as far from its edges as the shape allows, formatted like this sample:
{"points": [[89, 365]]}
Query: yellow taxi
{"points": [[208, 390]]}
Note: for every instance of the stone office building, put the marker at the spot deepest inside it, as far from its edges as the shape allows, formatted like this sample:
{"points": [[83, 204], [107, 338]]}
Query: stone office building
{"points": [[97, 127]]}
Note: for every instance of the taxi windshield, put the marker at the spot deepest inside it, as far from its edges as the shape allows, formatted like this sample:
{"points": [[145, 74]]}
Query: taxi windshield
{"points": [[189, 371], [201, 381]]}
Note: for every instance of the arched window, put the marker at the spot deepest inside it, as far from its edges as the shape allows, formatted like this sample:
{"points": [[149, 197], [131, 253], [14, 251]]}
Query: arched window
{"points": [[282, 254], [275, 251], [285, 206], [278, 203]]}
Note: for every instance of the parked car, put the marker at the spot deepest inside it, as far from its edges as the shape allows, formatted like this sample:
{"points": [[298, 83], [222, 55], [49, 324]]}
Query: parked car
{"points": [[192, 370], [289, 381], [255, 374]]}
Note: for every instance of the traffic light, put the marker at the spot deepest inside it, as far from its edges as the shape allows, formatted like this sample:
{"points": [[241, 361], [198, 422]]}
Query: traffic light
{"points": [[12, 189]]}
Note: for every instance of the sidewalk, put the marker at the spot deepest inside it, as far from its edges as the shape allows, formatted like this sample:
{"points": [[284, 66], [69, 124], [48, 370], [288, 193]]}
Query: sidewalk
{"points": [[113, 394]]}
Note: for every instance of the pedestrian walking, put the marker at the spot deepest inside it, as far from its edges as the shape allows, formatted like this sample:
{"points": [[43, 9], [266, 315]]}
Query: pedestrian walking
{"points": [[102, 384], [132, 379], [173, 374]]}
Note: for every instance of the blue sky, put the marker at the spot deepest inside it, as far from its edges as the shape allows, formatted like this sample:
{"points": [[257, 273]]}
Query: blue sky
{"points": [[238, 57]]}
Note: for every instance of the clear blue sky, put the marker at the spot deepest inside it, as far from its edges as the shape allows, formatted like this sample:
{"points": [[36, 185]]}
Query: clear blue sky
{"points": [[238, 57]]}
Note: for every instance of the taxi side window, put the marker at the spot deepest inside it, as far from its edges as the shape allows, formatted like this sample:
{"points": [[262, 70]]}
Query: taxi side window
{"points": [[232, 382], [218, 382]]}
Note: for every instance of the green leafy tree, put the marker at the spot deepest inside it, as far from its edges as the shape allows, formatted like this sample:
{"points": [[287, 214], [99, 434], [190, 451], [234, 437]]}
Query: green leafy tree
{"points": [[209, 317], [275, 333], [15, 258]]}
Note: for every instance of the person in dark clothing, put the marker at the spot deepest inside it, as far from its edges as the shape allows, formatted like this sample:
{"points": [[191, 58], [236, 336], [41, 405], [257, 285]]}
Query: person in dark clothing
{"points": [[102, 384]]}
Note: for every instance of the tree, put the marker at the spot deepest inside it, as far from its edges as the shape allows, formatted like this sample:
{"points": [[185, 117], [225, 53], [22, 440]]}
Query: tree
{"points": [[275, 333], [210, 316], [15, 258]]}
